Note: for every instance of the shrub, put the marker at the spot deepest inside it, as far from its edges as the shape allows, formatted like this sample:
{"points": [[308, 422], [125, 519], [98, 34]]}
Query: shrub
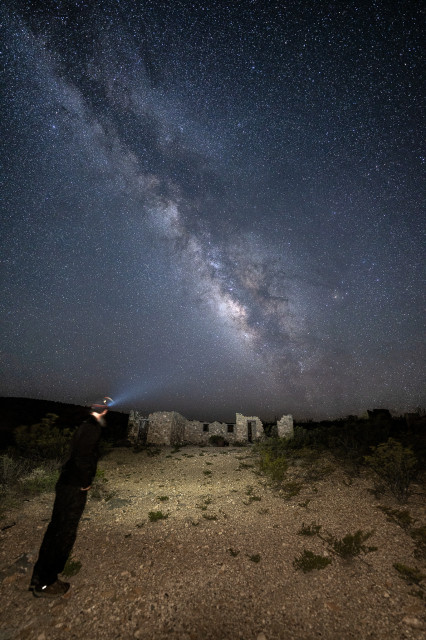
{"points": [[255, 557], [401, 517], [41, 479], [419, 536], [272, 460], [275, 447], [292, 489], [11, 469], [351, 545], [308, 561], [43, 440], [395, 465], [412, 575], [218, 441], [310, 530], [155, 451], [157, 515]]}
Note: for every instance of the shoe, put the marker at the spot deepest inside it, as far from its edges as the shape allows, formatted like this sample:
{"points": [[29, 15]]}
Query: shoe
{"points": [[54, 590]]}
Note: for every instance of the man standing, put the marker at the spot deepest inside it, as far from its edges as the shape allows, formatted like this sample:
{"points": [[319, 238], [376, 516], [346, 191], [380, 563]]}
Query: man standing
{"points": [[74, 482]]}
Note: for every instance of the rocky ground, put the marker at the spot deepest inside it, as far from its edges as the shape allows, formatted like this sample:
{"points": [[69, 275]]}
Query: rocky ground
{"points": [[220, 565]]}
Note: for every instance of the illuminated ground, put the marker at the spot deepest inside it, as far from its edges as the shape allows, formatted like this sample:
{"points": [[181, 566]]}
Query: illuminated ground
{"points": [[219, 566]]}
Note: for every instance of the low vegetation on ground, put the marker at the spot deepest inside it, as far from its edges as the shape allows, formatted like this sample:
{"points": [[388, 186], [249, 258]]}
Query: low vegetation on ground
{"points": [[308, 561], [387, 450]]}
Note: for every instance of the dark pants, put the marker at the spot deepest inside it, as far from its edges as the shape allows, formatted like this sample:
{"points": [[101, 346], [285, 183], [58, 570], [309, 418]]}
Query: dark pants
{"points": [[60, 535]]}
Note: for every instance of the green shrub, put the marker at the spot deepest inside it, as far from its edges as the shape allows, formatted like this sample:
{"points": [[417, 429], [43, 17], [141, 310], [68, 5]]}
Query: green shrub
{"points": [[275, 447], [255, 557], [157, 515], [308, 561], [11, 469], [292, 489], [43, 440], [155, 451], [218, 440], [351, 545], [395, 465], [401, 517], [41, 480], [412, 575], [309, 530], [272, 460], [419, 536]]}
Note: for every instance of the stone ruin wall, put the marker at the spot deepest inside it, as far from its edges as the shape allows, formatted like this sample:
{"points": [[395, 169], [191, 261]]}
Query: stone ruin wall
{"points": [[285, 427], [171, 428], [137, 429], [241, 428], [177, 432], [166, 427], [194, 433]]}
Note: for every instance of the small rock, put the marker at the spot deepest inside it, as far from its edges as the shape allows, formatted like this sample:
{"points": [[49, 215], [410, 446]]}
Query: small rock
{"points": [[261, 636], [413, 622], [41, 636]]}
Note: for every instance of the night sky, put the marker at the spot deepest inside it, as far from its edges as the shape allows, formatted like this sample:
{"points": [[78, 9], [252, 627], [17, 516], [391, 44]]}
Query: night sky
{"points": [[213, 206]]}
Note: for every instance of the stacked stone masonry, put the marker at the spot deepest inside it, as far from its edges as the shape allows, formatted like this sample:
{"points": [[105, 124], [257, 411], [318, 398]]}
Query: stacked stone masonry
{"points": [[171, 428]]}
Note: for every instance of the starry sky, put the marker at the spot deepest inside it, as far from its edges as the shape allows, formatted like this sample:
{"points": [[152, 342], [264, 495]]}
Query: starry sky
{"points": [[213, 206]]}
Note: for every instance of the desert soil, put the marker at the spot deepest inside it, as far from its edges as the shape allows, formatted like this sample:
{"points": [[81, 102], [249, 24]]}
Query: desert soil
{"points": [[220, 566]]}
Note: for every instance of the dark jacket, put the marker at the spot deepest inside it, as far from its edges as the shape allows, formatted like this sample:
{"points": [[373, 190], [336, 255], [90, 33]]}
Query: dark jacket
{"points": [[80, 467]]}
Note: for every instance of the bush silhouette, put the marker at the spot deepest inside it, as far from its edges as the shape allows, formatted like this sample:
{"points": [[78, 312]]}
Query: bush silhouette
{"points": [[43, 440], [395, 465]]}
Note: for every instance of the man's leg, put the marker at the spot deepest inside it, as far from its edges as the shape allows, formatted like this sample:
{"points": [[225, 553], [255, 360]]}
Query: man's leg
{"points": [[60, 535]]}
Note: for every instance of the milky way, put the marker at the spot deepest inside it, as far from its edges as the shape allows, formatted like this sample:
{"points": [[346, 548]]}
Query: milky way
{"points": [[213, 207]]}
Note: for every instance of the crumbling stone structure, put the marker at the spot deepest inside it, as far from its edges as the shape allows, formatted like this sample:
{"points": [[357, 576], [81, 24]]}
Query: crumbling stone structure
{"points": [[248, 428], [285, 427], [171, 428], [166, 427], [137, 430]]}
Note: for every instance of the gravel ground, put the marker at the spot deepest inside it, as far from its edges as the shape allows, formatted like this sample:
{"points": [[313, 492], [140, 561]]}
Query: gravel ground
{"points": [[220, 566]]}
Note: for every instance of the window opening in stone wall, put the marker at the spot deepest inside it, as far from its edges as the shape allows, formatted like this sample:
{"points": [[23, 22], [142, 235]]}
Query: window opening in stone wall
{"points": [[205, 427], [230, 428]]}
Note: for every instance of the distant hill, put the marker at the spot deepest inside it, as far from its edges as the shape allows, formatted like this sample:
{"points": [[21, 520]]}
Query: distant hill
{"points": [[17, 411]]}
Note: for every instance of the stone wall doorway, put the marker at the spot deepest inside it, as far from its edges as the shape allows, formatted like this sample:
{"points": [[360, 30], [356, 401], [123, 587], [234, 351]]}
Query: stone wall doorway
{"points": [[142, 432], [251, 427]]}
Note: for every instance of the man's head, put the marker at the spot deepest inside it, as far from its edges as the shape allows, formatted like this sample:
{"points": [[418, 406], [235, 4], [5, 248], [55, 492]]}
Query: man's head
{"points": [[100, 408]]}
